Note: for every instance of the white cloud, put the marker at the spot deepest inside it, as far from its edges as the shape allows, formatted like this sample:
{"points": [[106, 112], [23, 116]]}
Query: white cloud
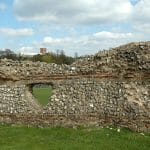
{"points": [[87, 44], [142, 27], [141, 11], [10, 32], [27, 51], [2, 7], [111, 35], [141, 16], [131, 21], [50, 40], [73, 11], [83, 45]]}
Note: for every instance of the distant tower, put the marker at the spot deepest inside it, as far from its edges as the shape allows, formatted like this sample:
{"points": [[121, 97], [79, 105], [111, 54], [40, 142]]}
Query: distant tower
{"points": [[43, 51]]}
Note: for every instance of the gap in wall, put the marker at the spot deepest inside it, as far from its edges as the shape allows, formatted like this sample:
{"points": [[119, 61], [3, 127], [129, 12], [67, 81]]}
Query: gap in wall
{"points": [[42, 92]]}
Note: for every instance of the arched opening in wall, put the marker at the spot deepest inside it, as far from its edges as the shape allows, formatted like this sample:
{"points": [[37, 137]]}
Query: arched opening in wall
{"points": [[42, 92]]}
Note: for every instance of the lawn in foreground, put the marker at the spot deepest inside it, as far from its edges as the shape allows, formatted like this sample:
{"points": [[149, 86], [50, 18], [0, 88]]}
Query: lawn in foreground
{"points": [[24, 138]]}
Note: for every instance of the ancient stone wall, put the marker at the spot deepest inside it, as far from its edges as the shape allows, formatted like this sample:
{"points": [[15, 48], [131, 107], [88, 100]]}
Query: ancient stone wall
{"points": [[16, 98], [109, 88]]}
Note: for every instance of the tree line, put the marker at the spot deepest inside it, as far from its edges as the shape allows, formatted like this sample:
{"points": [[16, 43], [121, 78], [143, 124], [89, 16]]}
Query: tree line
{"points": [[59, 57]]}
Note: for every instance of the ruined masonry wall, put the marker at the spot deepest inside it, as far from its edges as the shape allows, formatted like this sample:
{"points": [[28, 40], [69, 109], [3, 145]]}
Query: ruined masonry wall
{"points": [[110, 88], [129, 99], [16, 98], [122, 103]]}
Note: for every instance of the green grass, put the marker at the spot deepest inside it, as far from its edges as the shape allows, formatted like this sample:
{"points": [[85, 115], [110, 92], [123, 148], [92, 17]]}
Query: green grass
{"points": [[24, 138], [42, 94]]}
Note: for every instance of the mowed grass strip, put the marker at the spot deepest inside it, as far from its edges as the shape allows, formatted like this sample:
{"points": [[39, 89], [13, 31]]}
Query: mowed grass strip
{"points": [[42, 94], [24, 138]]}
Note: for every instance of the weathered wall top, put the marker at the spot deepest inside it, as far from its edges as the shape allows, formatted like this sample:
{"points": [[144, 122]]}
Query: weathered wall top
{"points": [[124, 61], [127, 61]]}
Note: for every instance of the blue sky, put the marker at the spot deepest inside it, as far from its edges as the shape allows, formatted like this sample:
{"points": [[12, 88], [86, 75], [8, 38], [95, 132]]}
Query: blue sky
{"points": [[78, 26]]}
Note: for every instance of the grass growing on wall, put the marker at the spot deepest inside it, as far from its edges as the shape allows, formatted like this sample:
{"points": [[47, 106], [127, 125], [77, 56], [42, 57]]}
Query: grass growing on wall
{"points": [[42, 94], [24, 138]]}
